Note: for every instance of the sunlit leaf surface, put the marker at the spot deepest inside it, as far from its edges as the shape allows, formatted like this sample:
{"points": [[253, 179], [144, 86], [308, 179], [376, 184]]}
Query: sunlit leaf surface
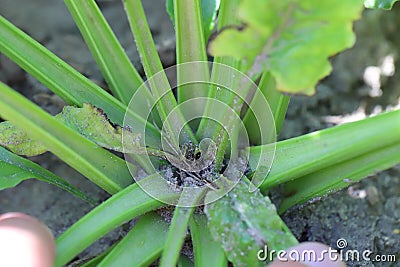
{"points": [[293, 39]]}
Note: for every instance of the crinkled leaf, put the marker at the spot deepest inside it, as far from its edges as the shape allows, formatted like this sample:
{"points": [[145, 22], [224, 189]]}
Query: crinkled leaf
{"points": [[15, 169], [292, 39], [209, 10], [88, 121], [93, 124], [18, 141], [381, 4], [244, 223]]}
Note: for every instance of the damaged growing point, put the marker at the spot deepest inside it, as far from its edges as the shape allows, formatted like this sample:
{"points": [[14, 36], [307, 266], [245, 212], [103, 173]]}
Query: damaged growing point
{"points": [[199, 170], [198, 161], [190, 177]]}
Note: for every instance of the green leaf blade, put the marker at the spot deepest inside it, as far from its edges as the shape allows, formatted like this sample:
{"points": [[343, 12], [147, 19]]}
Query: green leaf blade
{"points": [[18, 141], [11, 175], [244, 223], [93, 124], [280, 36], [309, 44], [102, 167], [15, 169], [88, 121], [61, 78]]}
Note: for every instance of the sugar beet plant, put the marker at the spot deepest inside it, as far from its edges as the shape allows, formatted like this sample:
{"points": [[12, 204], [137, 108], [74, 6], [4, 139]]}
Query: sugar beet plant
{"points": [[199, 136]]}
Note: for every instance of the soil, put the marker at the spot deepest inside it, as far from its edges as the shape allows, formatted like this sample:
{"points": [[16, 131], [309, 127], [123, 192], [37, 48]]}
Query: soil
{"points": [[366, 215]]}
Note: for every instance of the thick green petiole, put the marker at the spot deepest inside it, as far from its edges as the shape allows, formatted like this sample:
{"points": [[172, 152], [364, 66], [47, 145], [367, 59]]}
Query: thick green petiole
{"points": [[190, 46], [278, 104], [189, 199], [302, 155], [207, 127], [207, 251], [65, 81], [100, 166], [120, 208], [338, 176], [117, 69], [158, 81], [229, 134], [141, 246]]}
